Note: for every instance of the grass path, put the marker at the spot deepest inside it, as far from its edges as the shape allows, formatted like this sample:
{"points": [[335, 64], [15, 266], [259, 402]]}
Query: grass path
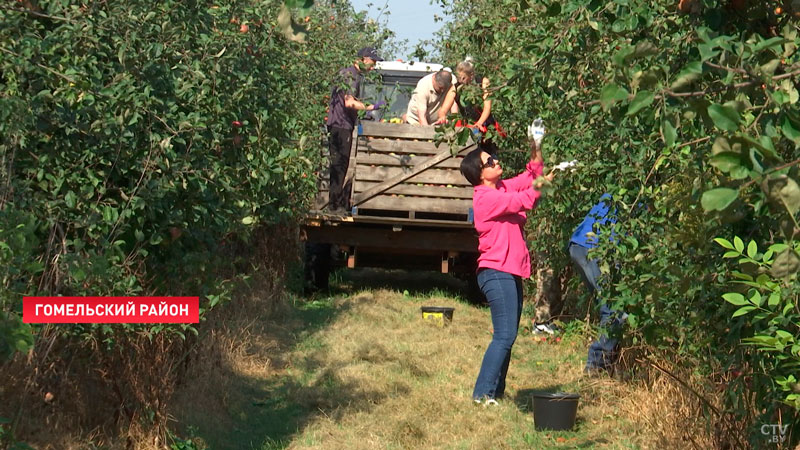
{"points": [[361, 370]]}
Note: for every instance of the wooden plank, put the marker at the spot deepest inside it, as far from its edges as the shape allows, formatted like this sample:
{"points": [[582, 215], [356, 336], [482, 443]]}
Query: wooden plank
{"points": [[316, 216], [380, 145], [461, 240], [420, 191], [431, 176], [320, 200], [351, 258], [397, 130], [398, 259], [365, 160], [414, 221], [439, 157], [351, 165], [426, 204]]}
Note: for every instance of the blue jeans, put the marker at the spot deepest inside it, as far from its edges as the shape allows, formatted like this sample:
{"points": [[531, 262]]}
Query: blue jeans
{"points": [[602, 352], [504, 293]]}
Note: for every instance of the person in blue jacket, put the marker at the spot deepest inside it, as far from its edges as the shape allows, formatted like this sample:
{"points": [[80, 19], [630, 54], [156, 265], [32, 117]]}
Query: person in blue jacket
{"points": [[603, 351]]}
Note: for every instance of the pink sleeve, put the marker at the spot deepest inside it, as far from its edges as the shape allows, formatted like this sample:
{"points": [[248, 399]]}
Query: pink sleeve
{"points": [[524, 180], [494, 203]]}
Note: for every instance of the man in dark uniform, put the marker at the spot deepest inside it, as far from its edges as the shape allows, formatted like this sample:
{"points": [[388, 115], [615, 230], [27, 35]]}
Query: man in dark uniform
{"points": [[342, 118]]}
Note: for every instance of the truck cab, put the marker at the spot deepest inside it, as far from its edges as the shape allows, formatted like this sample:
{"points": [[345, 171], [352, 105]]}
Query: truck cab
{"points": [[393, 82]]}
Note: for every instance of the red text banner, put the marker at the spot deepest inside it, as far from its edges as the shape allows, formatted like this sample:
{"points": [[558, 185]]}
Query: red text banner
{"points": [[111, 309]]}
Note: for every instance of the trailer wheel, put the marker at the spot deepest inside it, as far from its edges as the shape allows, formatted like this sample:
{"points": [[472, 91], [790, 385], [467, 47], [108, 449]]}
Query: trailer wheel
{"points": [[317, 266]]}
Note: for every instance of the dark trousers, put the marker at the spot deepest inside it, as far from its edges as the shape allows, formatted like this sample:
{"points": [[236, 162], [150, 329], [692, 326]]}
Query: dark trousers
{"points": [[603, 351], [340, 141]]}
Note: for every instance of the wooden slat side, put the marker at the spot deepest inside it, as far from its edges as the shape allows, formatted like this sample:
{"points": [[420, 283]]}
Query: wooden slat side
{"points": [[421, 191], [401, 146], [375, 159], [430, 176], [463, 240], [381, 145], [402, 176], [437, 205], [410, 222], [351, 165], [397, 130]]}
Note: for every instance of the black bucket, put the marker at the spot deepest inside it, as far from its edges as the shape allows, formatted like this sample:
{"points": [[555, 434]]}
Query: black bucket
{"points": [[554, 410], [439, 315]]}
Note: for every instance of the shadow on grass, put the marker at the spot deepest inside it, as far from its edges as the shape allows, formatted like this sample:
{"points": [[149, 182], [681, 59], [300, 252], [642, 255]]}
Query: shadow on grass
{"points": [[279, 409], [417, 283], [265, 408], [524, 397]]}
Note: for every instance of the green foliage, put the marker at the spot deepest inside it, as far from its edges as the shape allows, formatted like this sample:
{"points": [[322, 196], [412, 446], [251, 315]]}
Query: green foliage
{"points": [[768, 301], [145, 147], [179, 443], [690, 121], [7, 440], [138, 138], [17, 242]]}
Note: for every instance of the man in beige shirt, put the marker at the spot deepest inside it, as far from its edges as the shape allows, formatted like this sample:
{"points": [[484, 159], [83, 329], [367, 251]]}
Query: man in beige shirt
{"points": [[425, 107]]}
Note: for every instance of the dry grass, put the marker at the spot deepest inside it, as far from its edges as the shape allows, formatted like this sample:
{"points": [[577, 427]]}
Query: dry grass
{"points": [[432, 372], [361, 370], [71, 393], [670, 414]]}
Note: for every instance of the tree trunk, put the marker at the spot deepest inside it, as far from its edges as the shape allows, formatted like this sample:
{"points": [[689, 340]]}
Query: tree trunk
{"points": [[548, 298]]}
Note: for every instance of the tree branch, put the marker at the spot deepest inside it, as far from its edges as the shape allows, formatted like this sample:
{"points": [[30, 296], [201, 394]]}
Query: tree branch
{"points": [[669, 93], [770, 171], [37, 14], [54, 72], [729, 69], [558, 40]]}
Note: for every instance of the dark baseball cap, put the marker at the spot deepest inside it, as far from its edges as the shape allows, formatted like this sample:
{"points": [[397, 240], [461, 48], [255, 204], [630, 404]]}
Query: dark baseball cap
{"points": [[369, 52]]}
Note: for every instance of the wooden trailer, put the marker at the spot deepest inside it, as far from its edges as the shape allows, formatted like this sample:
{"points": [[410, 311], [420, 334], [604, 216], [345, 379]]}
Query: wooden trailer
{"points": [[411, 207]]}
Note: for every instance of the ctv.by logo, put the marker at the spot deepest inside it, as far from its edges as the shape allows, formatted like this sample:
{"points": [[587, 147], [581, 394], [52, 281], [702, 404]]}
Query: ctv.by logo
{"points": [[776, 433]]}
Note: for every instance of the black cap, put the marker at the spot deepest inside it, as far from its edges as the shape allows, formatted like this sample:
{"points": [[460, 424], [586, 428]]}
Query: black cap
{"points": [[369, 52]]}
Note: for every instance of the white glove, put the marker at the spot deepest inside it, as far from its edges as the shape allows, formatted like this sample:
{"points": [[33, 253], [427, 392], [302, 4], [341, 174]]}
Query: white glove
{"points": [[566, 165], [536, 131]]}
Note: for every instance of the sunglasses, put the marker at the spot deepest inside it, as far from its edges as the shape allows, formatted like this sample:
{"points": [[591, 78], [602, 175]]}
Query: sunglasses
{"points": [[491, 161]]}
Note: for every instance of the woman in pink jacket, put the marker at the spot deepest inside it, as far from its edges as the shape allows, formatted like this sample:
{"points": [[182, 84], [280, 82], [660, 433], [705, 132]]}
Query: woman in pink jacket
{"points": [[499, 209]]}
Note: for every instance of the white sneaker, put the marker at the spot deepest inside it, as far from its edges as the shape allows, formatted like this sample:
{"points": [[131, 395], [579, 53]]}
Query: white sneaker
{"points": [[544, 328], [485, 401]]}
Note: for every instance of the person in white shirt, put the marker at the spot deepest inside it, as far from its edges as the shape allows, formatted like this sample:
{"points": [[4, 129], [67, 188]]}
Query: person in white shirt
{"points": [[425, 106]]}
